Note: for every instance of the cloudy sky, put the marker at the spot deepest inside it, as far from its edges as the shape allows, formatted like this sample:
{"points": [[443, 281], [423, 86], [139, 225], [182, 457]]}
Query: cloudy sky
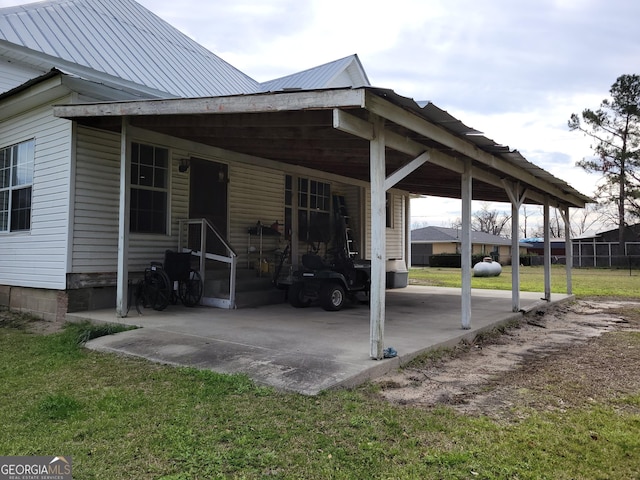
{"points": [[514, 70]]}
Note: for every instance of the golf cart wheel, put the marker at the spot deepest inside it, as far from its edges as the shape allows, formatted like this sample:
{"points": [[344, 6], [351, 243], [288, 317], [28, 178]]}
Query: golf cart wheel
{"points": [[296, 296], [332, 297]]}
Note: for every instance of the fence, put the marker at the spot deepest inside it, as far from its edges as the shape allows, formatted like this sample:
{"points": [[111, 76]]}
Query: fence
{"points": [[630, 262]]}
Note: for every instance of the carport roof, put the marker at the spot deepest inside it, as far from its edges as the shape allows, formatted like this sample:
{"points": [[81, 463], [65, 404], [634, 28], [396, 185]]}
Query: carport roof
{"points": [[329, 130]]}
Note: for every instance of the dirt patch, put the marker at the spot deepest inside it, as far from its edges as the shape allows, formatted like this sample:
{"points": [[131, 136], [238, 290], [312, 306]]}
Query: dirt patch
{"points": [[28, 322], [568, 355]]}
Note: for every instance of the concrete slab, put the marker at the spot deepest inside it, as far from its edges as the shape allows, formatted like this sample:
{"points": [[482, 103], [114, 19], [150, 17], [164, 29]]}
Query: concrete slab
{"points": [[307, 350]]}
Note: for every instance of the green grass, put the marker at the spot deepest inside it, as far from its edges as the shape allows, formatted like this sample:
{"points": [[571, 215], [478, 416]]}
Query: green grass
{"points": [[125, 418], [586, 282]]}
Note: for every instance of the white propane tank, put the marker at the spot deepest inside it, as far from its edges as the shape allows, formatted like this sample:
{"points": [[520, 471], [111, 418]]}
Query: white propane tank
{"points": [[487, 268]]}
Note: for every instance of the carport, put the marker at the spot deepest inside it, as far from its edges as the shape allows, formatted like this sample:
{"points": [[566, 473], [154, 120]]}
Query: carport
{"points": [[368, 134]]}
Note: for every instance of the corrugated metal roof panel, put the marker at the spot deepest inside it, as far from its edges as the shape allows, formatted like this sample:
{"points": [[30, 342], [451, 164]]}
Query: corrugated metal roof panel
{"points": [[125, 40], [440, 117], [321, 76]]}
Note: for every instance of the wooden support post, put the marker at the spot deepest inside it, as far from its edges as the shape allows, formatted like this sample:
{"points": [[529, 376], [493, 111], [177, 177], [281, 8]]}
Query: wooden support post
{"points": [[122, 300], [547, 250], [568, 248], [465, 251], [378, 239], [517, 195]]}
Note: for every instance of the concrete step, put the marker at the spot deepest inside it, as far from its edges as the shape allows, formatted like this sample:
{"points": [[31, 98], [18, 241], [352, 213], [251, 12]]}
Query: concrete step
{"points": [[251, 290]]}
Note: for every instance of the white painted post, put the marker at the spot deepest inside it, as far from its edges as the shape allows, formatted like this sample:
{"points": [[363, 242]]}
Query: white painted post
{"points": [[568, 249], [465, 251], [122, 301], [547, 250], [516, 196], [407, 231], [378, 239], [515, 253]]}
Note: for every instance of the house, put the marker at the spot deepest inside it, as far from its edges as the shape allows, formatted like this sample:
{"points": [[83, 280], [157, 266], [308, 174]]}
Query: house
{"points": [[535, 246], [432, 240], [120, 139]]}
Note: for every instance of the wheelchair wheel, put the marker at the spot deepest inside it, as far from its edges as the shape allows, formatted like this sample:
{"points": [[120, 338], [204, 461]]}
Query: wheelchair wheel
{"points": [[190, 290], [157, 289]]}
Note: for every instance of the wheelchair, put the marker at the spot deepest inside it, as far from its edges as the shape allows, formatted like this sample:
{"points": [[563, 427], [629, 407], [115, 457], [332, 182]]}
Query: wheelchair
{"points": [[166, 282]]}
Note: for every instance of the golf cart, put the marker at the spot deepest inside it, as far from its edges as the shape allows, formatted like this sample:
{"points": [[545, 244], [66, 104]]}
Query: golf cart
{"points": [[332, 280], [330, 284]]}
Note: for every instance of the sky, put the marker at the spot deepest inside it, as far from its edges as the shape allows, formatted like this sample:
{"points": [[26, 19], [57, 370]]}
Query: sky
{"points": [[514, 70]]}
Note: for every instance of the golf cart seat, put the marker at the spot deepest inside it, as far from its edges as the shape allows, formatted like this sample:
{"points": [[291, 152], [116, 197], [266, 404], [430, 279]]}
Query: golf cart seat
{"points": [[314, 262]]}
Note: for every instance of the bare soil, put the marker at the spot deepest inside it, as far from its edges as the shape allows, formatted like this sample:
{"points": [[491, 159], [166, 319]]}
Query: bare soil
{"points": [[567, 356]]}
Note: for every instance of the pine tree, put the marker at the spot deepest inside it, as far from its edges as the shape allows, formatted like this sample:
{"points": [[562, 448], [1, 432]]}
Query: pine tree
{"points": [[615, 129]]}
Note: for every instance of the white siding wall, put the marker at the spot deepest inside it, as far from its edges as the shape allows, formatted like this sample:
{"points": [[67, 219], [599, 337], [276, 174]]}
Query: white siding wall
{"points": [[255, 194], [95, 223], [95, 237], [395, 235], [13, 75], [39, 258]]}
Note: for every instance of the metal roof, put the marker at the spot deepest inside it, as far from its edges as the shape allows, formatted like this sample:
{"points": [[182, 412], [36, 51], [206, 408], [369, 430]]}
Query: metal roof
{"points": [[119, 38], [122, 40], [322, 76]]}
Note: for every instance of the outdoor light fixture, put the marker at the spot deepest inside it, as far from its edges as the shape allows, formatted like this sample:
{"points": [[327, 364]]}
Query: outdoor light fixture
{"points": [[184, 165]]}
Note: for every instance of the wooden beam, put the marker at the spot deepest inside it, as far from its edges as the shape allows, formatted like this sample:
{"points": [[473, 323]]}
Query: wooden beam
{"points": [[273, 102], [415, 123], [405, 170], [356, 126]]}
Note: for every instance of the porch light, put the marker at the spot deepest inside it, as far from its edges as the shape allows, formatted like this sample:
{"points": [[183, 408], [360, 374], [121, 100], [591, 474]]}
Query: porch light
{"points": [[184, 165]]}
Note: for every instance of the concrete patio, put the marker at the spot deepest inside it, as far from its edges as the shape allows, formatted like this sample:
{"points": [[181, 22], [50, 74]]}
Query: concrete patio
{"points": [[307, 350]]}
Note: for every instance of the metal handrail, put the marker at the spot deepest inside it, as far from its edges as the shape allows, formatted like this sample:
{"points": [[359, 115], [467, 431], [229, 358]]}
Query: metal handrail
{"points": [[230, 258]]}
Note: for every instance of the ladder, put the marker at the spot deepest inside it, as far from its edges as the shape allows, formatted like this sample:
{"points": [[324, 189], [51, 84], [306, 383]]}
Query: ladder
{"points": [[341, 215]]}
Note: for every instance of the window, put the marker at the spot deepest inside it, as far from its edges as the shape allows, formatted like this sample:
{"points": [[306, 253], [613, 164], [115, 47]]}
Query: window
{"points": [[16, 185], [314, 202], [149, 188]]}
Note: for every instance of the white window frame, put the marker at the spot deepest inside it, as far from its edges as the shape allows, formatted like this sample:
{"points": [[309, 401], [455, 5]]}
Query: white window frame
{"points": [[16, 176], [152, 186]]}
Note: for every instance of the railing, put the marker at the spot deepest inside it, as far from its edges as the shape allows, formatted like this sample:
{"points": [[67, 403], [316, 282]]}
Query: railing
{"points": [[187, 243]]}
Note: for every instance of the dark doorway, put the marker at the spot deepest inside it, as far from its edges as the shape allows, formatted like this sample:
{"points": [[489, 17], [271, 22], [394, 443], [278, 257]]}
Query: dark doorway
{"points": [[208, 198]]}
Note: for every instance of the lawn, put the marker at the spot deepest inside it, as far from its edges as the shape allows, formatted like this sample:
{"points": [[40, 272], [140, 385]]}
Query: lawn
{"points": [[126, 418], [587, 282]]}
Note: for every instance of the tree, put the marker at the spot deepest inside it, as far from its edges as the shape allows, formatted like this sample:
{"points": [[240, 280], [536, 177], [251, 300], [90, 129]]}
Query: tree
{"points": [[615, 128], [489, 221]]}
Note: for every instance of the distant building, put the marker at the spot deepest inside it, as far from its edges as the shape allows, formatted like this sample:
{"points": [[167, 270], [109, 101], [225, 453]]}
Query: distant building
{"points": [[603, 249], [429, 241], [535, 246]]}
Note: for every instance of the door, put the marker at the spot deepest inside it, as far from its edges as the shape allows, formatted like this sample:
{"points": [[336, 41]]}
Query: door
{"points": [[208, 198]]}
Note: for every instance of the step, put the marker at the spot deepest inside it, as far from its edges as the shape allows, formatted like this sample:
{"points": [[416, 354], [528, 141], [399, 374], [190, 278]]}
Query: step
{"points": [[251, 290]]}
